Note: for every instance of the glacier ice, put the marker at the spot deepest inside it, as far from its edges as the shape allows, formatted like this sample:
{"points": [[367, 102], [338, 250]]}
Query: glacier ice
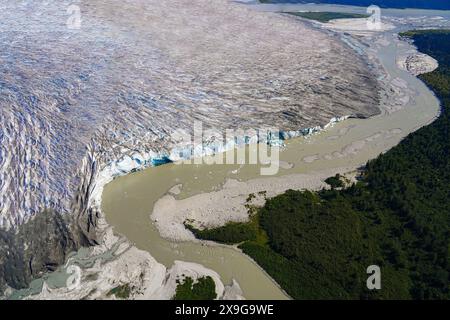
{"points": [[78, 107]]}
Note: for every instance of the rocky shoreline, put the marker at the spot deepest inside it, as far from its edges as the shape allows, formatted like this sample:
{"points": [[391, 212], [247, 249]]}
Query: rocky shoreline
{"points": [[37, 247], [129, 268]]}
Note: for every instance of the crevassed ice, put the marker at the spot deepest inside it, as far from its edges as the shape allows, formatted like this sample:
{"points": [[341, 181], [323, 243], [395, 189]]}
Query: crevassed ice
{"points": [[74, 101]]}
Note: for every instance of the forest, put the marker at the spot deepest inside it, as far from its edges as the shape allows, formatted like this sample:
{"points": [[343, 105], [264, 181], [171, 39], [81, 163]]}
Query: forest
{"points": [[418, 4], [318, 245], [203, 289]]}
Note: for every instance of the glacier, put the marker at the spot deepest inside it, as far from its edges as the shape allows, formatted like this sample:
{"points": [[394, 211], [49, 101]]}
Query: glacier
{"points": [[77, 105]]}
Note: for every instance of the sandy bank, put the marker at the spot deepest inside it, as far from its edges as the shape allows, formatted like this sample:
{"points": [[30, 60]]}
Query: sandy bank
{"points": [[417, 63], [216, 208], [358, 25]]}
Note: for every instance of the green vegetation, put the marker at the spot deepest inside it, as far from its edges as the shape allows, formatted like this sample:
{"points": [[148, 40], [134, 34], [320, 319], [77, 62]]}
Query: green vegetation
{"points": [[203, 289], [319, 244], [320, 248], [232, 232], [327, 16], [121, 292], [335, 182], [418, 33]]}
